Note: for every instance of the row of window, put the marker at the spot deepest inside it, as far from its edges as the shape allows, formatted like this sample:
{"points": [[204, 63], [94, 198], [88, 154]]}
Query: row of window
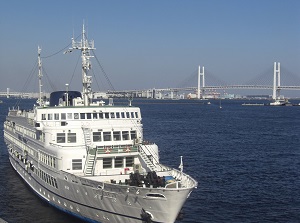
{"points": [[98, 136], [46, 178], [28, 132], [100, 115], [108, 163], [114, 136], [61, 137], [118, 162], [47, 159]]}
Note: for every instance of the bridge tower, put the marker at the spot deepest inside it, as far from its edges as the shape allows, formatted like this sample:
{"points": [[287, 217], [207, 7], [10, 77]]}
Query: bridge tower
{"points": [[276, 81], [7, 92], [199, 94]]}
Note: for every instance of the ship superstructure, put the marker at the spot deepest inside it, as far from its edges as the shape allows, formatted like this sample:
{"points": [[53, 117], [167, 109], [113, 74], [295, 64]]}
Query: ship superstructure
{"points": [[90, 159]]}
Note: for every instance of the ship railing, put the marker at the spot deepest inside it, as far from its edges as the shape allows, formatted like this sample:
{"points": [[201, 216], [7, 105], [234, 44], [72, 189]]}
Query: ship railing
{"points": [[185, 180], [116, 149], [65, 146]]}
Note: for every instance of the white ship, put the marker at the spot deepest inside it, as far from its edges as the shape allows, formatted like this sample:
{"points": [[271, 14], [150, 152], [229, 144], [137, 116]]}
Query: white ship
{"points": [[90, 160]]}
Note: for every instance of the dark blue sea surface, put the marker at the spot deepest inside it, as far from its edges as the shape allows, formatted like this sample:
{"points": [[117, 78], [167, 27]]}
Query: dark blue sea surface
{"points": [[245, 158]]}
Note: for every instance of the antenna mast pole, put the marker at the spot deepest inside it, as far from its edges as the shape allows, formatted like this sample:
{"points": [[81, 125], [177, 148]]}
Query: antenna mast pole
{"points": [[40, 75], [85, 46]]}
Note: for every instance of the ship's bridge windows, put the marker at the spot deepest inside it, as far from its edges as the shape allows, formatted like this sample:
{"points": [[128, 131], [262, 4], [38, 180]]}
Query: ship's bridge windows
{"points": [[76, 115], [56, 116], [95, 115], [63, 116], [97, 136], [133, 134], [43, 116], [76, 164], [82, 115], [106, 115], [50, 116], [107, 163], [132, 114], [88, 115], [117, 136], [107, 136], [125, 135], [101, 115], [117, 114], [122, 114], [60, 137], [127, 114], [71, 137], [119, 162], [69, 116], [136, 114], [112, 115], [129, 161]]}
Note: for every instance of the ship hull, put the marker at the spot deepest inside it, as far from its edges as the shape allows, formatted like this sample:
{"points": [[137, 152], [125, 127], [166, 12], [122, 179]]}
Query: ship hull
{"points": [[111, 203]]}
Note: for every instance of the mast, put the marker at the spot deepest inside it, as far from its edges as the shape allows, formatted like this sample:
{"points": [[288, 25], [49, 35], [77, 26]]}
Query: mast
{"points": [[40, 76], [85, 46]]}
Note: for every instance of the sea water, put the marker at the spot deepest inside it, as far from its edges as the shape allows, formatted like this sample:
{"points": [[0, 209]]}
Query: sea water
{"points": [[245, 158]]}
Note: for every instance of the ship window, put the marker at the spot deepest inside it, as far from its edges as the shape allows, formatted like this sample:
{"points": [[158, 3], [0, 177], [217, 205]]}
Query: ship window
{"points": [[101, 115], [132, 114], [107, 136], [88, 115], [106, 115], [76, 164], [119, 162], [69, 116], [60, 138], [56, 116], [122, 114], [125, 135], [117, 136], [82, 115], [112, 115], [107, 163], [43, 116], [136, 115], [63, 116], [129, 161], [127, 114], [97, 136], [76, 116], [133, 135], [95, 115], [117, 114], [71, 137], [50, 116]]}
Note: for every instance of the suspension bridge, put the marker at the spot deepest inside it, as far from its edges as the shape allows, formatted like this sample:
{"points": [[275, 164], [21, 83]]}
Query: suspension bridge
{"points": [[206, 87], [204, 91]]}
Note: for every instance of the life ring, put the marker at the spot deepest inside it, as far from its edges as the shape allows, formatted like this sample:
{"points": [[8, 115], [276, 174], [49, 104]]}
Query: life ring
{"points": [[107, 150], [127, 149]]}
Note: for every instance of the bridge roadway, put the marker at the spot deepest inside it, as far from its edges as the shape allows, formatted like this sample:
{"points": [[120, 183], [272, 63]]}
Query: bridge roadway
{"points": [[258, 87], [193, 89]]}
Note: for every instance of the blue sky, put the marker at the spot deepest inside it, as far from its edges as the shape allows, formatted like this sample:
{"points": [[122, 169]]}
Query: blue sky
{"points": [[146, 44]]}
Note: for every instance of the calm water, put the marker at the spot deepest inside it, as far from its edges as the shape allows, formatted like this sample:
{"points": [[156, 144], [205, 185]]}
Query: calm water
{"points": [[246, 159]]}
